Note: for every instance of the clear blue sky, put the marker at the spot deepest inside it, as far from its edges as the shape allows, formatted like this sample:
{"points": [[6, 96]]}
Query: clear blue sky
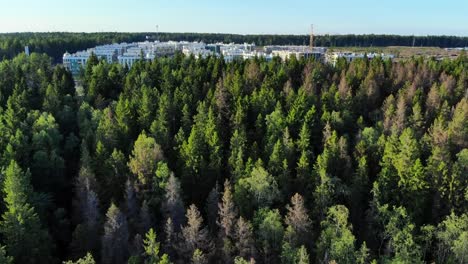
{"points": [[419, 17]]}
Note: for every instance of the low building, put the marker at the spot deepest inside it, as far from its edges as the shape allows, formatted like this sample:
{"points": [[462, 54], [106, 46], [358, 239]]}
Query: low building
{"points": [[232, 52], [286, 52], [74, 62], [333, 57]]}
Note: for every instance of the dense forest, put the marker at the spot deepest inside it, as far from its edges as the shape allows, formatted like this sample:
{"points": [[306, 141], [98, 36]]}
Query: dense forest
{"points": [[57, 43], [180, 160]]}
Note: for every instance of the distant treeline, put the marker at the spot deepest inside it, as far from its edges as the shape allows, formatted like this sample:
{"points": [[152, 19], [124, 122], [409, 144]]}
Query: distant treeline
{"points": [[325, 40], [55, 44]]}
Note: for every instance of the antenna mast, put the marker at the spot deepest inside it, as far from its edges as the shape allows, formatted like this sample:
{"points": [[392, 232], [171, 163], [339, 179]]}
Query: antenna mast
{"points": [[157, 32], [311, 36]]}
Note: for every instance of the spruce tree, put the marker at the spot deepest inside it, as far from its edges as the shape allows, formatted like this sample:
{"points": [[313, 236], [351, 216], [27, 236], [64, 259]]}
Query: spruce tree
{"points": [[25, 239], [173, 206], [244, 239], [298, 219], [195, 236], [115, 237], [227, 221]]}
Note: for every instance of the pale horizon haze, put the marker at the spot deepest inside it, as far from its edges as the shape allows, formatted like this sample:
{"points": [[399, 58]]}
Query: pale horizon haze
{"points": [[417, 17]]}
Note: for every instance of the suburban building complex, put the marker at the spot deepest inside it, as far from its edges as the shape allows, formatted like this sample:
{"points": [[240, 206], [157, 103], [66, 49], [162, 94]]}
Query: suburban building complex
{"points": [[128, 53]]}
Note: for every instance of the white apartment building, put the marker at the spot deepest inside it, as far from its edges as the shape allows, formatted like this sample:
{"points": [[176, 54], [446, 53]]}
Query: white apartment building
{"points": [[110, 53], [286, 52], [128, 53], [333, 57]]}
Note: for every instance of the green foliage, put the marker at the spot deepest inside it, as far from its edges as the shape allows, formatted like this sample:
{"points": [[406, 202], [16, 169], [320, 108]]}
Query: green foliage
{"points": [[385, 138], [331, 169], [302, 256], [202, 151], [337, 242], [161, 175], [198, 257], [452, 237], [363, 254], [47, 164], [239, 260], [4, 258], [270, 230], [151, 247], [144, 160], [294, 255], [88, 259], [258, 190], [398, 235], [401, 158], [21, 229]]}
